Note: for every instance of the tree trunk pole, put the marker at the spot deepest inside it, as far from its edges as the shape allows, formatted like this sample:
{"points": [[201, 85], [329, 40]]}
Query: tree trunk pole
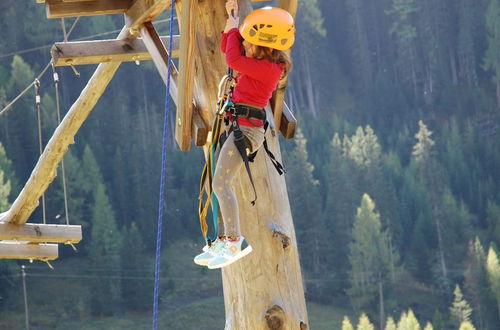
{"points": [[264, 290]]}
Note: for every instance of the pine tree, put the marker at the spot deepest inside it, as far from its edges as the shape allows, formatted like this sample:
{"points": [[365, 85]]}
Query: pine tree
{"points": [[431, 174], [405, 31], [493, 268], [390, 324], [460, 309], [136, 292], [346, 324], [466, 325], [422, 151], [364, 323], [492, 55], [408, 321], [105, 252], [477, 286], [306, 208], [370, 257], [428, 326]]}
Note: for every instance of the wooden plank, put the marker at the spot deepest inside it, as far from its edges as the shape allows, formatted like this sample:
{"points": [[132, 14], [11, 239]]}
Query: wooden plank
{"points": [[95, 52], [14, 250], [58, 9], [186, 73], [38, 233], [159, 54]]}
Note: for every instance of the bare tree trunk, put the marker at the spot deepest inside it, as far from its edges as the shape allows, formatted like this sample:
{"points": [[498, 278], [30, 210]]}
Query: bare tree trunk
{"points": [[381, 303]]}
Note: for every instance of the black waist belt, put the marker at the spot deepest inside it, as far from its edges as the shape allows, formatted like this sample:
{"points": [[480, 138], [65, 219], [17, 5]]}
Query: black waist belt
{"points": [[247, 111]]}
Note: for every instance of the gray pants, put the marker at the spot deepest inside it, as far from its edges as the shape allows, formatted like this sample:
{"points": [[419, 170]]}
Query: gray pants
{"points": [[228, 164]]}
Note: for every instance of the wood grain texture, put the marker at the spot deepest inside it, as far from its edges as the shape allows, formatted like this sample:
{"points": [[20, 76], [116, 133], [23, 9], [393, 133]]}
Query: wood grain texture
{"points": [[45, 252], [58, 8], [101, 51], [40, 233], [184, 114]]}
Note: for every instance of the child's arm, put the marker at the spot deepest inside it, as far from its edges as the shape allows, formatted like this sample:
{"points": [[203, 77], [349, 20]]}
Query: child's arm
{"points": [[257, 69]]}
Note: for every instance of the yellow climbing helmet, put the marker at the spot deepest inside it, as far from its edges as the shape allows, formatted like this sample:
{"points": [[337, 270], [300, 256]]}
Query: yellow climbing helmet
{"points": [[269, 27]]}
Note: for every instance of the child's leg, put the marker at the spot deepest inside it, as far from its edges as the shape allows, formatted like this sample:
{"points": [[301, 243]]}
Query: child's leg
{"points": [[228, 164]]}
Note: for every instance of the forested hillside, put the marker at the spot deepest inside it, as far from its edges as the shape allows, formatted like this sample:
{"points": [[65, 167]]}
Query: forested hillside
{"points": [[393, 175]]}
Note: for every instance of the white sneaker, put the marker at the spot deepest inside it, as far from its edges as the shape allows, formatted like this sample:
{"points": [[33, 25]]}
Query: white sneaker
{"points": [[231, 252], [209, 252]]}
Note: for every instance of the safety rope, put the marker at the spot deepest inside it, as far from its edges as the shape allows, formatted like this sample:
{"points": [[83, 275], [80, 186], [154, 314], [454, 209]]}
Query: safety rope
{"points": [[8, 106], [223, 97], [66, 36], [58, 111], [38, 101], [163, 175]]}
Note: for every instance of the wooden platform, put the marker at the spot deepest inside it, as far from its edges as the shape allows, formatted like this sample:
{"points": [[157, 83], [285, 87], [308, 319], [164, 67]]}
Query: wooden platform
{"points": [[22, 250], [40, 233]]}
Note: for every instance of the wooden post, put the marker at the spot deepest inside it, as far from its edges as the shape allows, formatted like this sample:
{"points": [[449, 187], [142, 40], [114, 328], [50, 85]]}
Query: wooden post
{"points": [[186, 73], [264, 290]]}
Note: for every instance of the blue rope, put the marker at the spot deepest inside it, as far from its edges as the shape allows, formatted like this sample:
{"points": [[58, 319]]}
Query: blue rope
{"points": [[162, 180]]}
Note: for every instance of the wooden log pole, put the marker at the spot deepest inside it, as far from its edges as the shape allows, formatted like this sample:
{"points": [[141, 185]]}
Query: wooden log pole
{"points": [[264, 290]]}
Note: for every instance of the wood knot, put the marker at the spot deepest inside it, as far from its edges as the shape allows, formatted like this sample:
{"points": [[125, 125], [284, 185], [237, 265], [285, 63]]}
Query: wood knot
{"points": [[303, 326], [275, 318], [278, 233]]}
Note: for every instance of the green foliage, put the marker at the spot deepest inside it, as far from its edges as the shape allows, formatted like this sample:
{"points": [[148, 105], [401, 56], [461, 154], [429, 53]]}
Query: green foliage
{"points": [[422, 150], [408, 321], [390, 324], [346, 324], [364, 323], [492, 57], [106, 243], [493, 268], [370, 255], [460, 309], [466, 325]]}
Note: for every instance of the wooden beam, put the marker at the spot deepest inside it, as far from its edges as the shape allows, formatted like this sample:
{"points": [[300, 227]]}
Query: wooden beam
{"points": [[95, 52], [186, 73], [58, 8], [14, 250], [159, 55], [278, 98], [288, 123], [39, 233], [143, 11]]}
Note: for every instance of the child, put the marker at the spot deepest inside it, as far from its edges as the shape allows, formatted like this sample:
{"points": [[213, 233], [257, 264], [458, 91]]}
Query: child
{"points": [[266, 32]]}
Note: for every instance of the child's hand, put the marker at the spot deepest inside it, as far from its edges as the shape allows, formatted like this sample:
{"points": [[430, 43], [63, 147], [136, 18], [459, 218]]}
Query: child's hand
{"points": [[232, 8]]}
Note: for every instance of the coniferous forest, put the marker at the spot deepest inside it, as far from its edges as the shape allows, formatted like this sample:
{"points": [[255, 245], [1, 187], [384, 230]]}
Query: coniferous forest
{"points": [[393, 174]]}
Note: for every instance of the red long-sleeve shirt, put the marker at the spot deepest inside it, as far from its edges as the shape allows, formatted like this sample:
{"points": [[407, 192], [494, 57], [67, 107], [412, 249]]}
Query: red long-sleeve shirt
{"points": [[256, 79]]}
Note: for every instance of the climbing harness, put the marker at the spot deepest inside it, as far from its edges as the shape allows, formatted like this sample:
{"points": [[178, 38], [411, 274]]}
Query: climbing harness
{"points": [[226, 107]]}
